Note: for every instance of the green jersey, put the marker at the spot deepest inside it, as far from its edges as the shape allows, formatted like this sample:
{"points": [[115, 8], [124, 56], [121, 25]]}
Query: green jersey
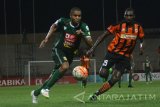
{"points": [[147, 65], [69, 39]]}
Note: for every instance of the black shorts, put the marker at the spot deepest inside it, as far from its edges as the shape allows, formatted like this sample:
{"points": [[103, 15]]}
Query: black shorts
{"points": [[60, 56], [120, 62]]}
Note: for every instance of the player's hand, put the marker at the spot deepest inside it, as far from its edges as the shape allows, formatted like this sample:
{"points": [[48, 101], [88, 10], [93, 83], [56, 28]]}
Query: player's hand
{"points": [[43, 43], [79, 32]]}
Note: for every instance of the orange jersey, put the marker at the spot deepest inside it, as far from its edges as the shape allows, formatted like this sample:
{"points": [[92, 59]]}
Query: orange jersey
{"points": [[125, 38], [85, 61]]}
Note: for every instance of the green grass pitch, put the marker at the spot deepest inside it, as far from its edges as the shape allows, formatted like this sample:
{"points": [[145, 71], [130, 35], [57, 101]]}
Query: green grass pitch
{"points": [[141, 95]]}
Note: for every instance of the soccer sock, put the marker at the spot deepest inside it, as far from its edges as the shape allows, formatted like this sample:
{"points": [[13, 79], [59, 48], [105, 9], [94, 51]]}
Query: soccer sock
{"points": [[119, 83], [50, 82], [84, 82], [53, 79], [150, 76], [38, 91], [130, 80], [106, 86], [146, 77]]}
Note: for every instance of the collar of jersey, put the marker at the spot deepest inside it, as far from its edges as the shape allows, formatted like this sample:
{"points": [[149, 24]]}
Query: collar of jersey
{"points": [[73, 26]]}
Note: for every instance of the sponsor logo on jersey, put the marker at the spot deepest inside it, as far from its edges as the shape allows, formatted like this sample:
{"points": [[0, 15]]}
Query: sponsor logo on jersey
{"points": [[69, 40], [126, 36]]}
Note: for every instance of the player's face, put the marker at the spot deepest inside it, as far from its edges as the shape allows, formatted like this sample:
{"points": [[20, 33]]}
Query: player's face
{"points": [[129, 16], [76, 17], [147, 58]]}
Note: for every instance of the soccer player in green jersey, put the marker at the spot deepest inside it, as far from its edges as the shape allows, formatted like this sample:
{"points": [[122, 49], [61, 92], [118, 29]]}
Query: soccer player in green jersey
{"points": [[147, 67], [72, 30]]}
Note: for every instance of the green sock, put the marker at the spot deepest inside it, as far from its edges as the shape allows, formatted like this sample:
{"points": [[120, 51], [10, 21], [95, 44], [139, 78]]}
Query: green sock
{"points": [[53, 79], [130, 80], [119, 83], [56, 75], [38, 91]]}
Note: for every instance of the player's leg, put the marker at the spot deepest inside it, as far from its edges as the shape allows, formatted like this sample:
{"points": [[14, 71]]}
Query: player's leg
{"points": [[121, 64], [116, 76], [37, 92], [104, 72], [130, 79], [150, 76], [62, 65], [119, 83], [106, 66], [146, 76], [84, 83], [109, 75], [62, 59], [56, 75]]}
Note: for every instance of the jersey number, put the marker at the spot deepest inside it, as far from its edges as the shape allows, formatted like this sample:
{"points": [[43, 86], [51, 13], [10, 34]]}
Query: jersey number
{"points": [[105, 62]]}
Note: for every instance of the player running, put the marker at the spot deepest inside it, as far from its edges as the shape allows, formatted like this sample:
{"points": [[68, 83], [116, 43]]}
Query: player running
{"points": [[119, 50], [72, 30]]}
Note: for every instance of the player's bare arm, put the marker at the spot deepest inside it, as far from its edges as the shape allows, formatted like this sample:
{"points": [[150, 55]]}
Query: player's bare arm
{"points": [[52, 29], [98, 41], [89, 41], [79, 32]]}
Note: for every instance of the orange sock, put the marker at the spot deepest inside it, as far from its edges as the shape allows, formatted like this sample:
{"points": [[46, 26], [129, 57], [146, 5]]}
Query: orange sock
{"points": [[106, 86]]}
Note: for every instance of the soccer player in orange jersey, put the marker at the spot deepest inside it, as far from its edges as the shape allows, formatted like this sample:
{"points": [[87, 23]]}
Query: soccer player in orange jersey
{"points": [[126, 33]]}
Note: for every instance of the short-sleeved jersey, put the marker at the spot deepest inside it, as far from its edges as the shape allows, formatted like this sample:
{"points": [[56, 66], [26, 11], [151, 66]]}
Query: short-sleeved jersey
{"points": [[69, 39], [125, 37], [147, 64]]}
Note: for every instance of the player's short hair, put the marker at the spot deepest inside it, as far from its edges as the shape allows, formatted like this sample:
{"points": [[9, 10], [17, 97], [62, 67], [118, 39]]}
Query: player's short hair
{"points": [[129, 11], [74, 9]]}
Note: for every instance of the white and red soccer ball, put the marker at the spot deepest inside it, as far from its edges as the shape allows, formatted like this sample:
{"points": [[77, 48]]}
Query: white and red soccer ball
{"points": [[80, 73]]}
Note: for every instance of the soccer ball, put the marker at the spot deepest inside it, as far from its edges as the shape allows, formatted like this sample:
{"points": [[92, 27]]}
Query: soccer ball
{"points": [[80, 73]]}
